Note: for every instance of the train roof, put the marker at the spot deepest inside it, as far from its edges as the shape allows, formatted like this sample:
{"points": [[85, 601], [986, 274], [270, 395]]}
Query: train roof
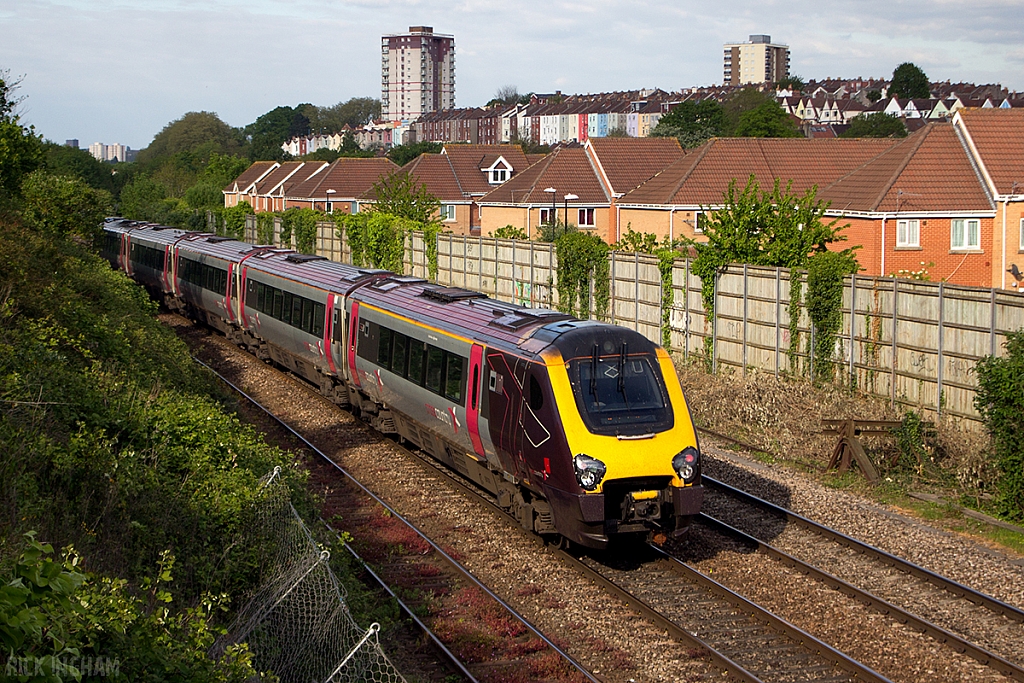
{"points": [[315, 271], [467, 313]]}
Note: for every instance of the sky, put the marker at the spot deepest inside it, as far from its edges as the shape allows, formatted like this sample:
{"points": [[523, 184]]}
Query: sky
{"points": [[113, 71]]}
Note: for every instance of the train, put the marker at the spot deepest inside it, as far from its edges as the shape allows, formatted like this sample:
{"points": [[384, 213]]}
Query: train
{"points": [[579, 428]]}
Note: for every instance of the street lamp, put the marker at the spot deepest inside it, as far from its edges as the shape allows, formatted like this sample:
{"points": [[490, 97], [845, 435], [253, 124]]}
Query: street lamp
{"points": [[553, 192], [569, 197], [327, 204]]}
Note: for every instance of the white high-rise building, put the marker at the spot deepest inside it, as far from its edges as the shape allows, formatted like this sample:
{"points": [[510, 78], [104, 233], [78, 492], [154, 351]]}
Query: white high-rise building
{"points": [[756, 61], [114, 152], [417, 73]]}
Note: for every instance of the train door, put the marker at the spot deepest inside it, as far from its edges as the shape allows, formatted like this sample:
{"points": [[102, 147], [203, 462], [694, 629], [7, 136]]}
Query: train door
{"points": [[475, 398], [125, 246], [337, 349]]}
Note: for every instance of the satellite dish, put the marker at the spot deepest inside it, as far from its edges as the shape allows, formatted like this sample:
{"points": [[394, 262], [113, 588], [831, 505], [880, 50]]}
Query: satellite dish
{"points": [[1015, 272]]}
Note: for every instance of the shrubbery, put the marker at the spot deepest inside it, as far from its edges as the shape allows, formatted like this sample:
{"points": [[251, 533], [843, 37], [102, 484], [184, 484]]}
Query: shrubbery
{"points": [[1000, 400]]}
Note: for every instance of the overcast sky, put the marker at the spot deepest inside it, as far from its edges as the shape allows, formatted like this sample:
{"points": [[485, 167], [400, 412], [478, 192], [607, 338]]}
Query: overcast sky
{"points": [[113, 71]]}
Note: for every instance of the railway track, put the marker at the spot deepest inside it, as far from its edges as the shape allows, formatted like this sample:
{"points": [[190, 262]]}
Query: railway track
{"points": [[749, 643], [453, 565], [978, 625]]}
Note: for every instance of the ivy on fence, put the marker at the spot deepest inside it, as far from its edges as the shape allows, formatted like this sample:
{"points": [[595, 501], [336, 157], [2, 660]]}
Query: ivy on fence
{"points": [[582, 260]]}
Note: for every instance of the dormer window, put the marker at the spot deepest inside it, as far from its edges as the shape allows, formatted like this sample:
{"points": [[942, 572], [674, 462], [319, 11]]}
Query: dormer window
{"points": [[498, 172]]}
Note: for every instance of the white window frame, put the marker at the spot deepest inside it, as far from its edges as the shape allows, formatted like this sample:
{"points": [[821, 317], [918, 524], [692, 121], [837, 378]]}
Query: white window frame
{"points": [[698, 220], [585, 218], [1020, 244], [448, 213], [908, 233], [498, 175], [965, 226], [545, 216]]}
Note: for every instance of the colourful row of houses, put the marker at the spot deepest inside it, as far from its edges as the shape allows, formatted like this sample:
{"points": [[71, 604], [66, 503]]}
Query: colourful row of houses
{"points": [[948, 199]]}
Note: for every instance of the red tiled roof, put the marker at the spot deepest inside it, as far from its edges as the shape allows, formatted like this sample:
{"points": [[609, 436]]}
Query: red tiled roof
{"points": [[567, 169], [998, 135], [249, 176], [703, 175], [627, 162], [467, 160], [926, 171], [436, 173], [290, 173], [349, 178]]}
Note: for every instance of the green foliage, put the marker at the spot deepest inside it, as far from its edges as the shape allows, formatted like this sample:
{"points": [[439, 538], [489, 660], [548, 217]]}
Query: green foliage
{"points": [[142, 199], [63, 205], [399, 195], [403, 154], [909, 81], [377, 239], [265, 227], [204, 195], [874, 95], [647, 243], [767, 120], [582, 260], [110, 437], [776, 228], [69, 161], [825, 273], [234, 219], [1000, 401], [796, 83], [62, 624], [550, 232], [192, 132], [912, 454], [430, 232], [796, 293], [741, 101], [510, 232], [356, 112], [268, 132], [876, 125], [20, 153], [692, 122], [299, 225]]}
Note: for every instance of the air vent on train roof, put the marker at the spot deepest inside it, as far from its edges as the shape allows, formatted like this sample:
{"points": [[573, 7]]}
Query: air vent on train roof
{"points": [[304, 258], [216, 240], [448, 295]]}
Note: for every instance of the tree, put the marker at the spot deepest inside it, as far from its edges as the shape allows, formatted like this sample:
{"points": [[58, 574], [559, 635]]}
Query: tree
{"points": [[1000, 401], [142, 198], [692, 122], [70, 161], [738, 103], [874, 95], [20, 148], [506, 94], [876, 125], [403, 154], [354, 113], [399, 195], [767, 120], [268, 132], [64, 205], [909, 81], [795, 83], [194, 131]]}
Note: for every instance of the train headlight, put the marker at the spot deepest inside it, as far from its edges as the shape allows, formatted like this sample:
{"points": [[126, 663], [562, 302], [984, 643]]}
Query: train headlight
{"points": [[687, 464], [589, 471]]}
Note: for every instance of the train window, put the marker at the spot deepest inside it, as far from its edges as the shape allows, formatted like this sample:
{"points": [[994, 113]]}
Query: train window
{"points": [[453, 378], [417, 352], [286, 309], [475, 390], [384, 348], [278, 304], [296, 319], [399, 356], [536, 394], [435, 368], [307, 316], [319, 313]]}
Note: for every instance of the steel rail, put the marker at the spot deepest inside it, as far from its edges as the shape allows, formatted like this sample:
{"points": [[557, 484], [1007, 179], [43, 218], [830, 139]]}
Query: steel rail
{"points": [[394, 513], [981, 655], [957, 589]]}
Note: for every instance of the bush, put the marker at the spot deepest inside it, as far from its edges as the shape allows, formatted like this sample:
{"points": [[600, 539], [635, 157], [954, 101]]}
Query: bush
{"points": [[64, 205], [1000, 400]]}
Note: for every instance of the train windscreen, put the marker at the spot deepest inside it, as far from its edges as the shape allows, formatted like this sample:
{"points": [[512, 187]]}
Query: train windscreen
{"points": [[620, 395]]}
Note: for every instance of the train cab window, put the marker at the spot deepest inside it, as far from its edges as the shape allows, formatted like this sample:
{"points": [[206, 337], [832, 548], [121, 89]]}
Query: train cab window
{"points": [[455, 369], [399, 355], [620, 394], [417, 354], [536, 394], [435, 368], [384, 347]]}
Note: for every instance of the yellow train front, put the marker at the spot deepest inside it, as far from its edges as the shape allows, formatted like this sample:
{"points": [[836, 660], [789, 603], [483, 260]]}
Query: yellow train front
{"points": [[632, 451]]}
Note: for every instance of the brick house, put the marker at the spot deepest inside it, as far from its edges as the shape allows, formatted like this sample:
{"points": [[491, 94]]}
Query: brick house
{"points": [[240, 189], [337, 188]]}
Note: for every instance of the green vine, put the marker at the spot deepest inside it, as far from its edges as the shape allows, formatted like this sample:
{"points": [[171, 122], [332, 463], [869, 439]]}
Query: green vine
{"points": [[825, 273], [298, 227], [666, 264], [430, 233], [796, 287], [582, 259], [376, 239], [265, 227]]}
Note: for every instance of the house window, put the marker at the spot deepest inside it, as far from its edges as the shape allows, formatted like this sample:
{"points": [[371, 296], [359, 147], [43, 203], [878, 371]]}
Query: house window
{"points": [[545, 216], [329, 208], [1021, 243], [965, 234], [586, 218], [499, 175], [447, 212], [698, 223], [908, 233]]}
